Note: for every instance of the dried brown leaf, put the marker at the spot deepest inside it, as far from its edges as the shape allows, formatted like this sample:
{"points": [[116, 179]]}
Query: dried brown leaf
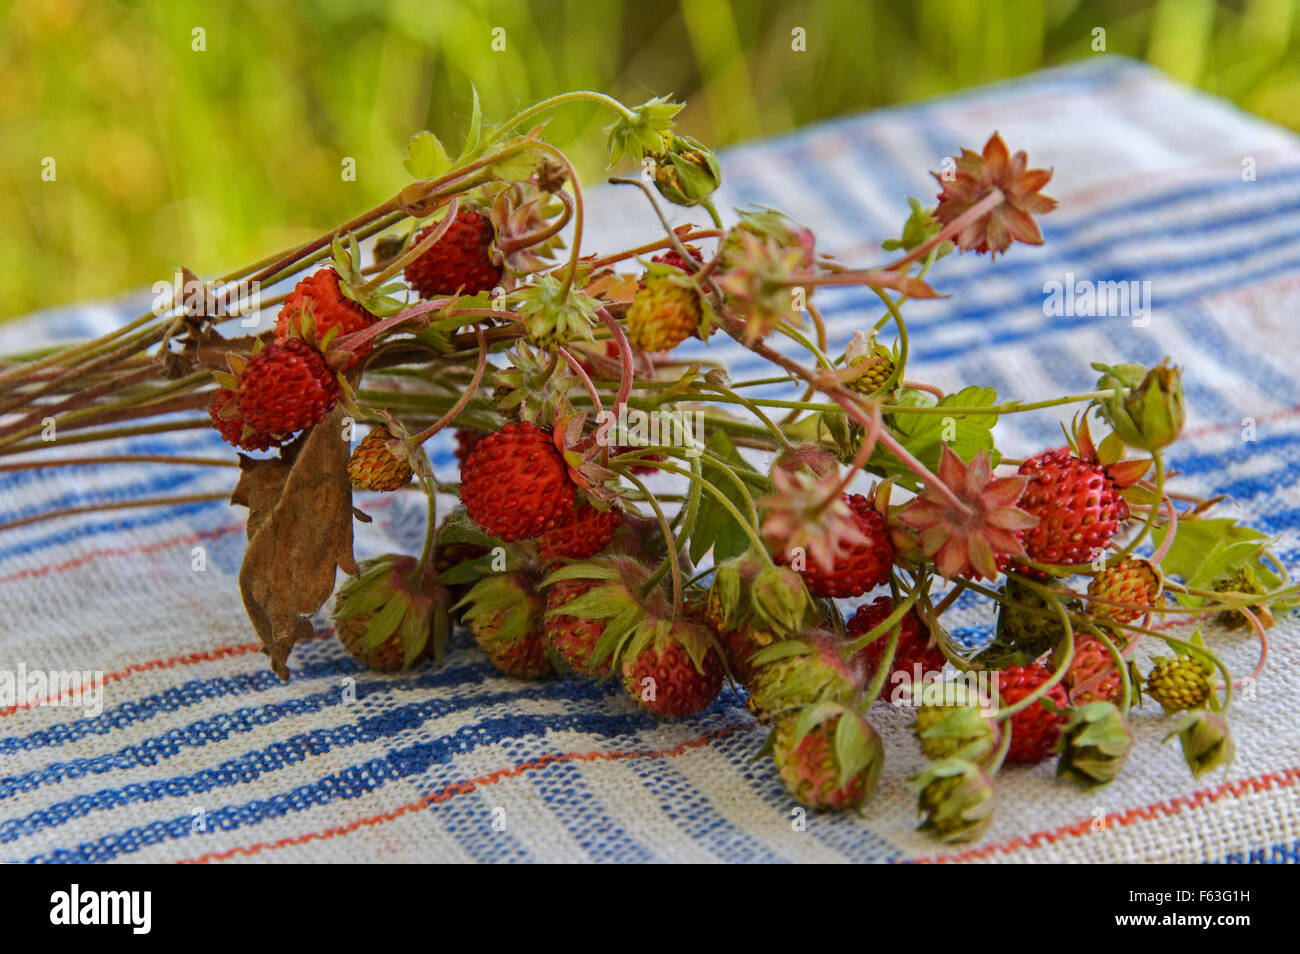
{"points": [[299, 530]]}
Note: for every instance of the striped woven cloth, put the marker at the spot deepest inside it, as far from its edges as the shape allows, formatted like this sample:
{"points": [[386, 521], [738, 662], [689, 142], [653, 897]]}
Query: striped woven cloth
{"points": [[200, 753]]}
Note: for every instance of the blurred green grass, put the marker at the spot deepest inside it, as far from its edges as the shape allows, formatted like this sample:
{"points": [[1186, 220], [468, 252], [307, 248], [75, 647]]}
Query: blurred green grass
{"points": [[166, 155]]}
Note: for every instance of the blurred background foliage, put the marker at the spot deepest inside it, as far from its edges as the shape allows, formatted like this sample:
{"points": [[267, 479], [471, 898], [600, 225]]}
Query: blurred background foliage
{"points": [[168, 155]]}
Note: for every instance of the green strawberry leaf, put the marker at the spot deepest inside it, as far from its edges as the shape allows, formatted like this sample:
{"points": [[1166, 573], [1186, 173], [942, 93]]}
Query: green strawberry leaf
{"points": [[425, 156], [923, 434], [1204, 551], [714, 526], [516, 167], [459, 528]]}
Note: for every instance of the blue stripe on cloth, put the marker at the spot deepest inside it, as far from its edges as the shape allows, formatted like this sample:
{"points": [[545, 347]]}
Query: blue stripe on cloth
{"points": [[468, 818], [403, 762], [585, 818], [692, 811], [223, 725], [1280, 853], [117, 525], [840, 833]]}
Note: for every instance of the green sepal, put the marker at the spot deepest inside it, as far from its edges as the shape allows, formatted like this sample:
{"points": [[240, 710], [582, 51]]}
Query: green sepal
{"points": [[858, 747], [386, 620], [646, 131], [784, 649]]}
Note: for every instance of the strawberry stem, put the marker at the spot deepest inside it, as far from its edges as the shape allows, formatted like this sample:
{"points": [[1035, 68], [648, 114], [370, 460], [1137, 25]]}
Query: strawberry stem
{"points": [[980, 208], [673, 555], [459, 406]]}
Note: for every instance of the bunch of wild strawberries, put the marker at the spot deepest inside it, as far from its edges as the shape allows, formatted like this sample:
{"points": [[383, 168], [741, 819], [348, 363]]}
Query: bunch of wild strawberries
{"points": [[673, 563]]}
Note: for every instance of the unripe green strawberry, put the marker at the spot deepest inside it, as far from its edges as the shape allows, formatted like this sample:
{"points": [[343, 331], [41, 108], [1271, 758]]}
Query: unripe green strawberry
{"points": [[1146, 407], [1028, 626], [1179, 683], [686, 173], [768, 602], [1244, 581], [951, 724], [872, 360], [1206, 741], [957, 800], [1095, 742], [802, 672], [829, 756]]}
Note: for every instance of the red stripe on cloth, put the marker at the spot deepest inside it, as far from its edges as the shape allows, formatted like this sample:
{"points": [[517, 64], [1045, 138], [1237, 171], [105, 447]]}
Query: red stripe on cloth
{"points": [[189, 659], [1234, 425], [461, 788], [1259, 783], [52, 568], [145, 548]]}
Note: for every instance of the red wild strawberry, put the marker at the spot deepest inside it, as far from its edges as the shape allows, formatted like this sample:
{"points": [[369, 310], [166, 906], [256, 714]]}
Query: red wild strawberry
{"points": [[505, 615], [864, 566], [916, 645], [739, 646], [672, 671], [1077, 504], [581, 533], [514, 483], [813, 767], [286, 387], [460, 261], [1092, 676], [674, 258], [319, 294], [1034, 730], [232, 426], [573, 638]]}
